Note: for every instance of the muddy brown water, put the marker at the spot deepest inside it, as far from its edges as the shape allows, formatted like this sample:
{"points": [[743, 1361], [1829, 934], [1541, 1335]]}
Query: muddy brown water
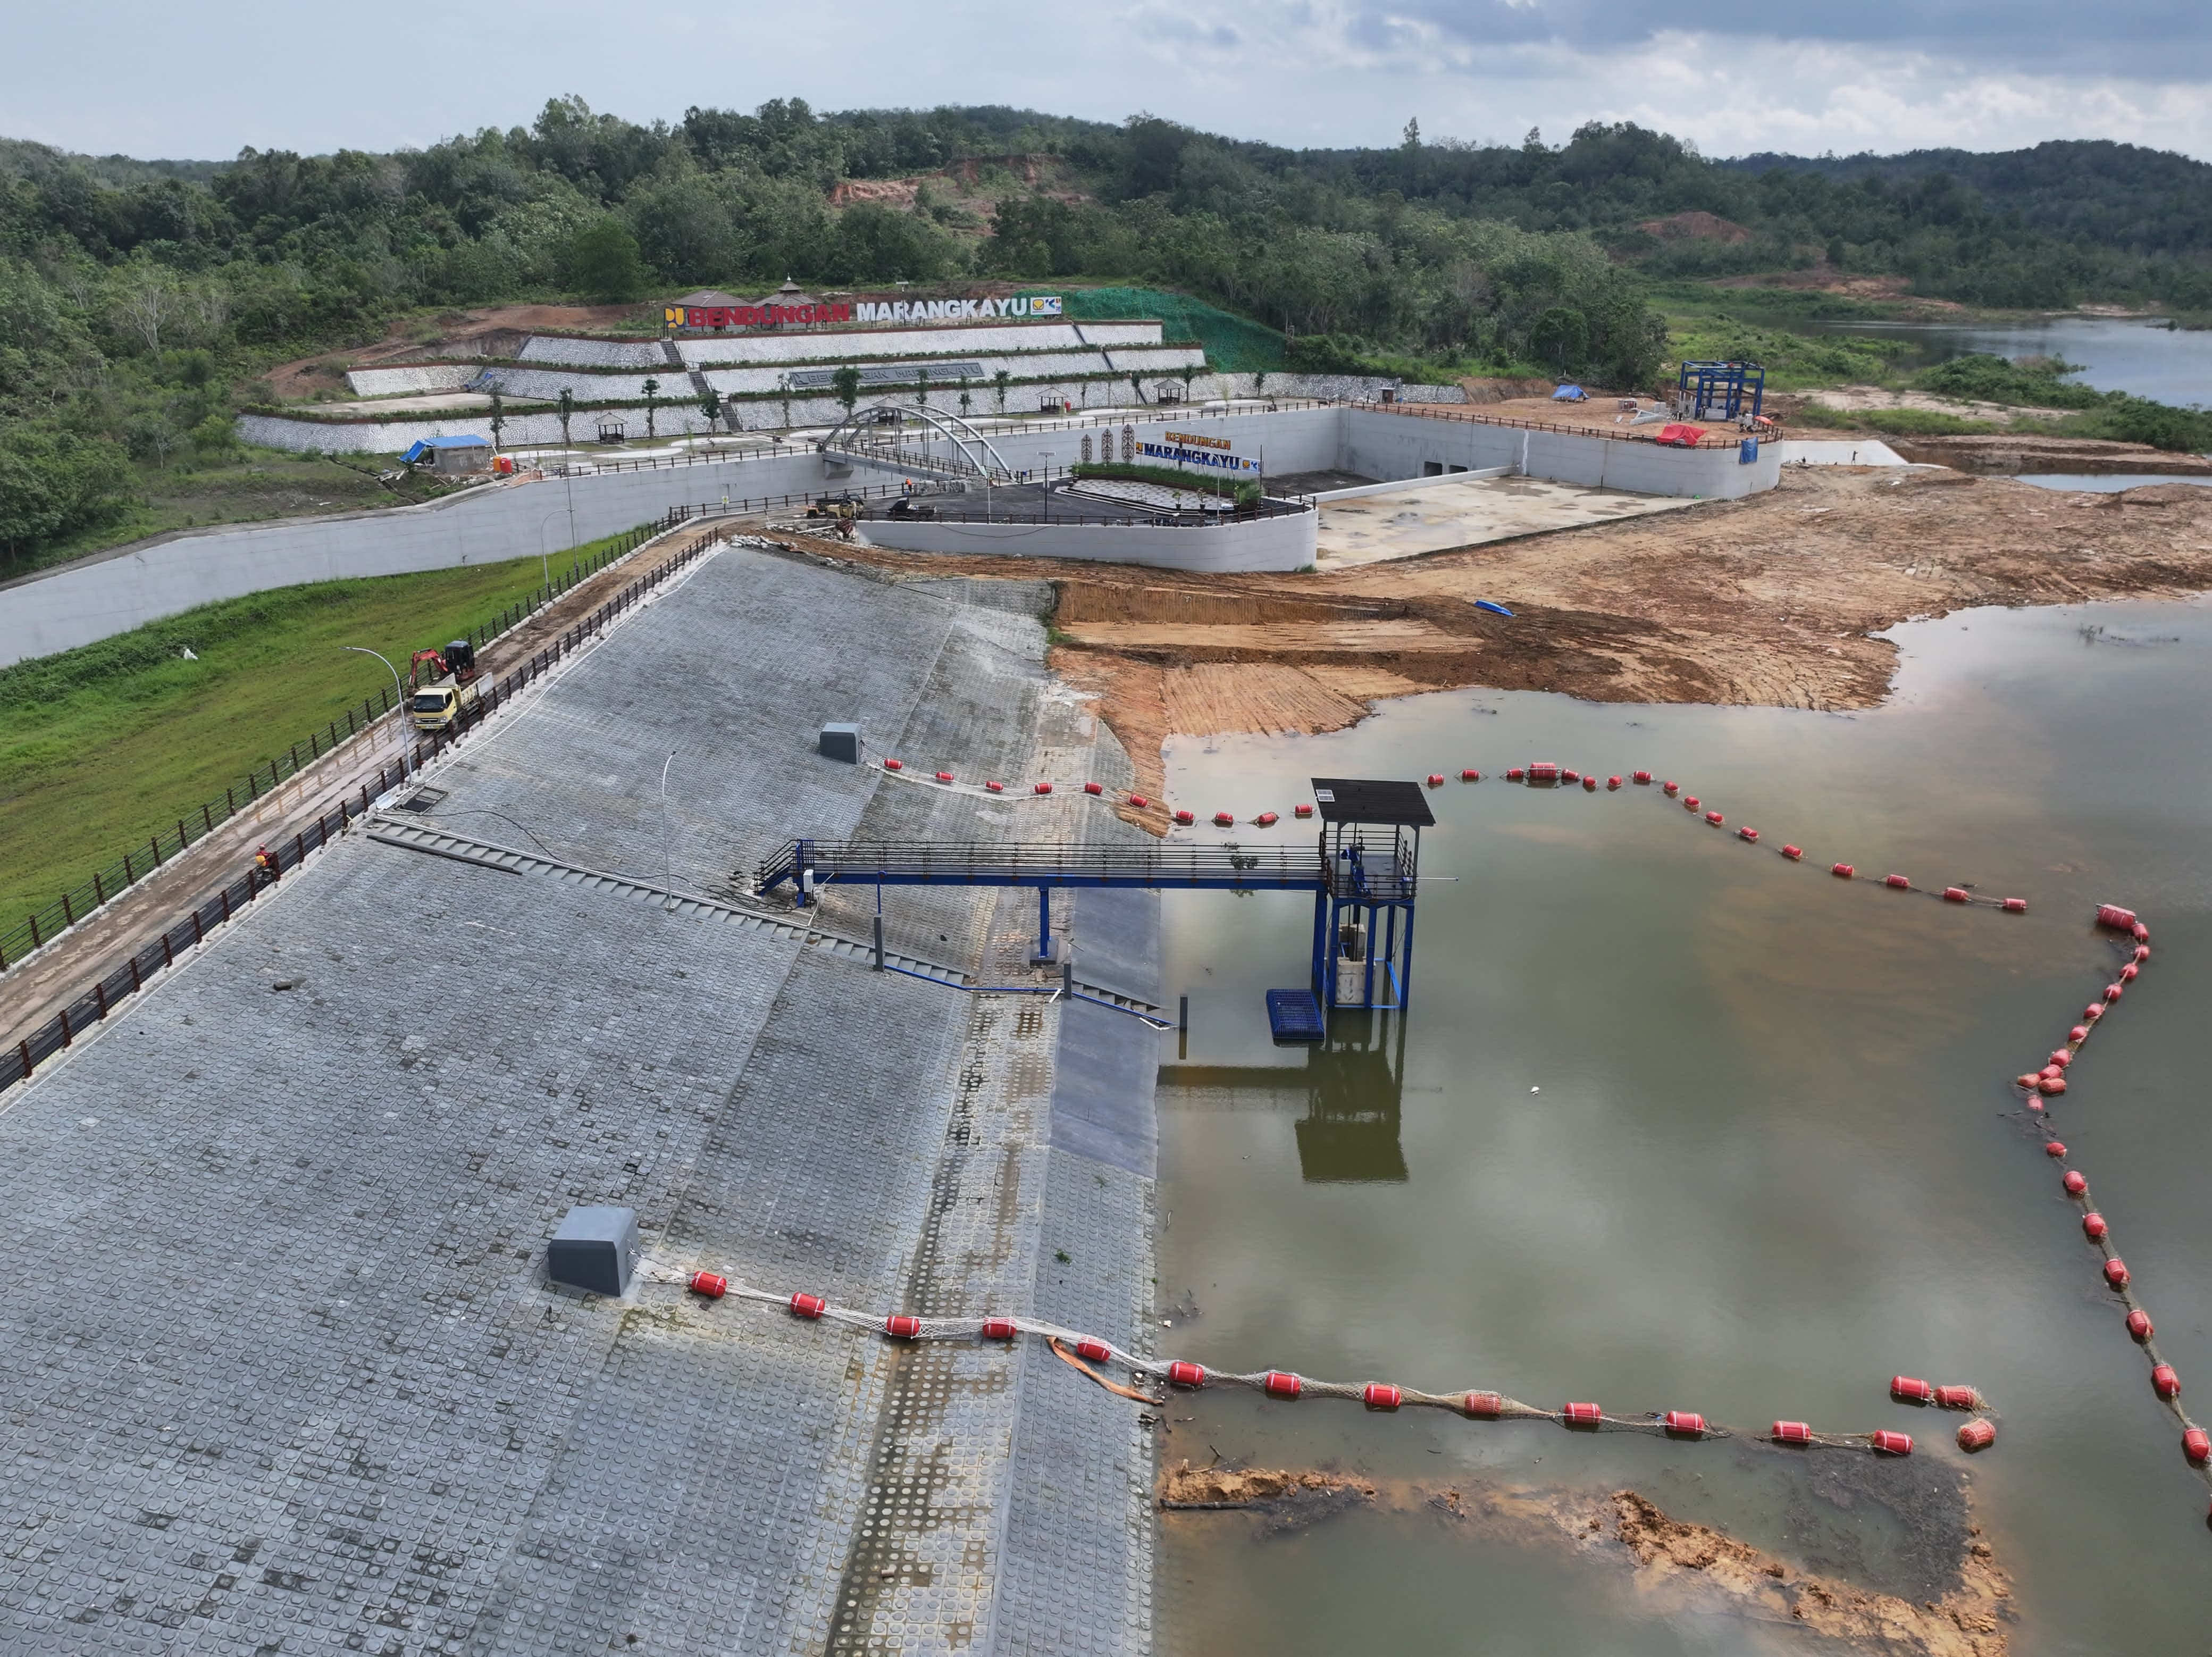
{"points": [[1675, 1123]]}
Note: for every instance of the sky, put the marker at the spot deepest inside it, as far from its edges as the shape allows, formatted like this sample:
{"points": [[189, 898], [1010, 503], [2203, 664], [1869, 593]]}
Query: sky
{"points": [[201, 82]]}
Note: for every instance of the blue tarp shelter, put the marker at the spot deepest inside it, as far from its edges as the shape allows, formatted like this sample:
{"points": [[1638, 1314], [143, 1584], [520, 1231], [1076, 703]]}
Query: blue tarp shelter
{"points": [[427, 448], [1569, 394]]}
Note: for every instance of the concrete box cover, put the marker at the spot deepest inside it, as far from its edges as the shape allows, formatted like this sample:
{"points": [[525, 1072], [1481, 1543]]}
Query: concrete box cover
{"points": [[594, 1249], [841, 742]]}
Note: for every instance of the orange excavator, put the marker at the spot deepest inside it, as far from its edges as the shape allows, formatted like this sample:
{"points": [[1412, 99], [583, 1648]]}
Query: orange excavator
{"points": [[446, 688]]}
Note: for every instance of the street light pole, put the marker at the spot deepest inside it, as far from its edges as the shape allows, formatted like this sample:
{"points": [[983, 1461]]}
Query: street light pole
{"points": [[399, 709], [668, 858], [544, 563]]}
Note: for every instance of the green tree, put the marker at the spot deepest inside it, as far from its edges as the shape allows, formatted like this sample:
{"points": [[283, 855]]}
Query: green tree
{"points": [[498, 419], [711, 406], [846, 382], [999, 384], [53, 485], [603, 262], [921, 386], [568, 408], [1560, 339], [652, 390]]}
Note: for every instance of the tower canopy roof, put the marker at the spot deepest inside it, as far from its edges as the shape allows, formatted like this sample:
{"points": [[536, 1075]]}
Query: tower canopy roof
{"points": [[1355, 799]]}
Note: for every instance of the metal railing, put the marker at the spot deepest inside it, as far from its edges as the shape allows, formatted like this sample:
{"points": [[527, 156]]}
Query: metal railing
{"points": [[41, 926], [1523, 422], [131, 973], [924, 863]]}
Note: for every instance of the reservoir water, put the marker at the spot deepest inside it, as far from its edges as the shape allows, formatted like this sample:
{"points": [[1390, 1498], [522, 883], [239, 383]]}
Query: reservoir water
{"points": [[1676, 1123], [2117, 354]]}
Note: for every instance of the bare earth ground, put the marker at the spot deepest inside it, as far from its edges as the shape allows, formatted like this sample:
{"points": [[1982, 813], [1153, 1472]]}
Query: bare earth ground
{"points": [[1763, 602], [317, 375]]}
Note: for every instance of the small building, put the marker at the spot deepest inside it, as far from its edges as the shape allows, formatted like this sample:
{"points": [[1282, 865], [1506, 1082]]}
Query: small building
{"points": [[610, 428], [449, 456]]}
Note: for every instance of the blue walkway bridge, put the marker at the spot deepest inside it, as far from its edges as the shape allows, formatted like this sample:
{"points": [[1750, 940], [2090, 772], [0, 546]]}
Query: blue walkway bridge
{"points": [[1364, 875]]}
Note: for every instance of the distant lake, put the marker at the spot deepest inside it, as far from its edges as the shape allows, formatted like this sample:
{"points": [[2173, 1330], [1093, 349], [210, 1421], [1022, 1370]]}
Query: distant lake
{"points": [[2120, 353]]}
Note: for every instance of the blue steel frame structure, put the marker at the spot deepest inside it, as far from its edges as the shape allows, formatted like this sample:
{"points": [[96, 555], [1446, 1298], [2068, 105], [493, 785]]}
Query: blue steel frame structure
{"points": [[1364, 875], [1709, 391]]}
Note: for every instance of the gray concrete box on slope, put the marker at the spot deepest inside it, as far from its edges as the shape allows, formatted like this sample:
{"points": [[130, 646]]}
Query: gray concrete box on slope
{"points": [[841, 742], [595, 1249]]}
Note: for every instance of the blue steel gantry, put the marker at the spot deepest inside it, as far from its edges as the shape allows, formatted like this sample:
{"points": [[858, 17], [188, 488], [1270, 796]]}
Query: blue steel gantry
{"points": [[1720, 390], [1364, 876]]}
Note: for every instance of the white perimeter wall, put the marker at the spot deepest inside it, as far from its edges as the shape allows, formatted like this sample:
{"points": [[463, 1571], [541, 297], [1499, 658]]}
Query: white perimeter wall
{"points": [[849, 346], [1283, 542]]}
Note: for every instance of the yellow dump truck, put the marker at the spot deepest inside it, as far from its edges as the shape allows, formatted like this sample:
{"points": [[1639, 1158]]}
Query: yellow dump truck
{"points": [[449, 691]]}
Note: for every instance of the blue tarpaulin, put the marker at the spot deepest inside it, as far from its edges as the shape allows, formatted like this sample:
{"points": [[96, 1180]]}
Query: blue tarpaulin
{"points": [[425, 446], [1569, 394]]}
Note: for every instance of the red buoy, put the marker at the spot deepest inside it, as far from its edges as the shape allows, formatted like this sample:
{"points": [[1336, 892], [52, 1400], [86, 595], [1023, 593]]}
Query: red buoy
{"points": [[2079, 1032], [1715, 818], [1302, 810], [2050, 1070], [1267, 820], [1186, 818], [2119, 920], [2027, 1083], [2129, 973], [2196, 1445], [1187, 1375], [1093, 788], [1672, 787], [808, 1306], [1096, 1350], [1956, 895], [1685, 1424], [1612, 783], [1279, 1384], [944, 776], [2115, 1273], [1907, 1389], [1842, 871], [1791, 1432], [1897, 881], [2142, 951], [1746, 833], [2112, 992], [1516, 773], [1435, 779], [1570, 774], [2051, 1084], [999, 1329], [901, 1327], [2093, 1012], [2060, 1057], [1139, 801], [1958, 1397], [712, 1284], [1224, 819], [1582, 1415], [2076, 1182], [1977, 1435], [1381, 1395], [2015, 906], [2094, 1226], [1689, 802], [1793, 852], [995, 787], [2054, 1148], [1590, 783], [2143, 933], [2165, 1383], [2140, 1326], [1889, 1443], [1484, 1407], [893, 765], [1641, 776], [1544, 771], [1042, 788], [1470, 775]]}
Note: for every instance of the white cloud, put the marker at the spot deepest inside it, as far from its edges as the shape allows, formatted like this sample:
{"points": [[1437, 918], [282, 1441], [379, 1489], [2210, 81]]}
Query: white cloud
{"points": [[206, 81]]}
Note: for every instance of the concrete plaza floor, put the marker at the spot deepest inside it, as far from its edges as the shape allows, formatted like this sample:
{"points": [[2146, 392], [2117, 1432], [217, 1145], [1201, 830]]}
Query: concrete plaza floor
{"points": [[1429, 516], [285, 1370]]}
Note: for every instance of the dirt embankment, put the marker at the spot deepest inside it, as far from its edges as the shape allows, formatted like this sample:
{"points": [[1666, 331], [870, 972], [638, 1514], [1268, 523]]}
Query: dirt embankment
{"points": [[1768, 601], [1675, 1565], [2012, 455]]}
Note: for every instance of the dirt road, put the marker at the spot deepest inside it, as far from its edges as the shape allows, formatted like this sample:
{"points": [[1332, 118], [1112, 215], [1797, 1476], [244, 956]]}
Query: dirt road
{"points": [[1766, 601], [29, 993]]}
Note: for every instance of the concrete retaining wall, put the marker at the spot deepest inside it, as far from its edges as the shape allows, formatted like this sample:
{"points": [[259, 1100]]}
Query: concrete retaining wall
{"points": [[83, 602], [859, 344], [1284, 542], [1401, 446], [429, 377], [595, 353]]}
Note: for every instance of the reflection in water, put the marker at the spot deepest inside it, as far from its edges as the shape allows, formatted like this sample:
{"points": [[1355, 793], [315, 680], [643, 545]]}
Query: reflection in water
{"points": [[1353, 1086]]}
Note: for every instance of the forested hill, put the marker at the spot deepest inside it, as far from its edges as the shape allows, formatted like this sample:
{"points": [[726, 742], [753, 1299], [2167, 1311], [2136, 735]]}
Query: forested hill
{"points": [[140, 300], [2121, 195]]}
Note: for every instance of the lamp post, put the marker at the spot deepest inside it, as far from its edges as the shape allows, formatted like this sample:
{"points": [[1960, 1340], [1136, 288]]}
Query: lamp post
{"points": [[399, 709], [545, 563], [668, 858]]}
